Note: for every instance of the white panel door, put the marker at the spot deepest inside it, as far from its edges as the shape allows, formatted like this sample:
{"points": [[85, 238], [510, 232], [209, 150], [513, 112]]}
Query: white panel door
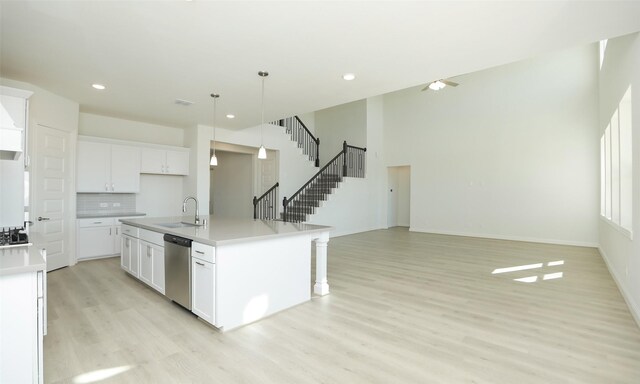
{"points": [[146, 262], [202, 289], [157, 280], [51, 181]]}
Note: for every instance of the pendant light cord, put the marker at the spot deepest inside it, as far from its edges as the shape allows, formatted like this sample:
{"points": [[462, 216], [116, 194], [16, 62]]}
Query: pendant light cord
{"points": [[262, 116]]}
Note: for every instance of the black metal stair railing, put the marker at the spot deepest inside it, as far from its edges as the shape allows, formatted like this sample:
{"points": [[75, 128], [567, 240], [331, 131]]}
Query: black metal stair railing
{"points": [[300, 134], [350, 162], [265, 207]]}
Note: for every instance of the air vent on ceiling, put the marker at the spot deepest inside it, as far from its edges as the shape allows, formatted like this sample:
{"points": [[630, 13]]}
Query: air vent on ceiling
{"points": [[183, 102]]}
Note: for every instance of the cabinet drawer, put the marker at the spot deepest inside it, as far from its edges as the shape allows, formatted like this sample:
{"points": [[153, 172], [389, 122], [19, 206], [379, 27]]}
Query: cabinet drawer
{"points": [[130, 230], [203, 252], [152, 237], [96, 222]]}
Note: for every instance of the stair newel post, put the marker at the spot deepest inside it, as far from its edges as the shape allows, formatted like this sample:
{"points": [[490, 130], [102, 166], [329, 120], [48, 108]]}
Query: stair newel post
{"points": [[255, 207], [344, 158], [284, 209], [317, 152]]}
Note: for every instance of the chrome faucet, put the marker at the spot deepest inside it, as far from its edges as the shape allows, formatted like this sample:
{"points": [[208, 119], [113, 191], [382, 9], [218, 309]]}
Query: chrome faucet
{"points": [[184, 208]]}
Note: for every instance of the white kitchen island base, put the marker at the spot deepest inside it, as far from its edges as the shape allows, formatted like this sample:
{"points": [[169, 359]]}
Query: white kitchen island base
{"points": [[244, 270]]}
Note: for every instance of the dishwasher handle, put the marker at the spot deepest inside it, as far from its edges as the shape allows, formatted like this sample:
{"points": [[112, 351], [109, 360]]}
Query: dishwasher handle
{"points": [[177, 240]]}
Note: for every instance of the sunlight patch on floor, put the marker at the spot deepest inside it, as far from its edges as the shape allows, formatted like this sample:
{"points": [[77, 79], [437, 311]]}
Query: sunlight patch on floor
{"points": [[100, 374]]}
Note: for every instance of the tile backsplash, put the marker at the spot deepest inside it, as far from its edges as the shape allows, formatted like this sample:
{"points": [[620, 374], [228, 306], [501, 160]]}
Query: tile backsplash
{"points": [[103, 203]]}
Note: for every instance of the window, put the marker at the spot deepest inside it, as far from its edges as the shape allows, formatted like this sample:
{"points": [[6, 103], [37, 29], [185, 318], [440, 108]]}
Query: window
{"points": [[616, 167]]}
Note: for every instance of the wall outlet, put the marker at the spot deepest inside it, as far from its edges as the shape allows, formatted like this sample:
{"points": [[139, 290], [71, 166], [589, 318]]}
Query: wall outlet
{"points": [[104, 205], [116, 204]]}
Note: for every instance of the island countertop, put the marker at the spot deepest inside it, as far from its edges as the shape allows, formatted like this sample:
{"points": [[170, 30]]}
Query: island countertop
{"points": [[226, 231], [21, 259]]}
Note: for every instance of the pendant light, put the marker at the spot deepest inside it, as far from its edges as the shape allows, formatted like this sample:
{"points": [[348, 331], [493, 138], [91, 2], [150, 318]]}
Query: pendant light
{"points": [[262, 152], [214, 159]]}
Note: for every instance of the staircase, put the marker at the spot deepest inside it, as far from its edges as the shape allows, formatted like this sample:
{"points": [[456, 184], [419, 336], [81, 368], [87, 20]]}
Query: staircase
{"points": [[350, 162], [299, 132]]}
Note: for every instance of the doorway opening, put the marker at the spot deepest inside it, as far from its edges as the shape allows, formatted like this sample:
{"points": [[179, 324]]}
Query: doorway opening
{"points": [[399, 196]]}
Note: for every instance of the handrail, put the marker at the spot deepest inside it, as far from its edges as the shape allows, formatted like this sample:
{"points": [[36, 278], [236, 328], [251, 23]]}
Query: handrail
{"points": [[302, 136], [349, 162], [315, 176], [264, 206]]}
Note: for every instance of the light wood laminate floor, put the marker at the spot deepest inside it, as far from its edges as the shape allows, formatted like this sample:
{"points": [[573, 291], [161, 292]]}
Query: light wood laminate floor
{"points": [[404, 308]]}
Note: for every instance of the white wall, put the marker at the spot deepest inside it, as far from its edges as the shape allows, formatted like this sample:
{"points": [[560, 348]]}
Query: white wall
{"points": [[621, 68], [337, 124], [232, 185], [122, 129], [510, 153], [357, 205]]}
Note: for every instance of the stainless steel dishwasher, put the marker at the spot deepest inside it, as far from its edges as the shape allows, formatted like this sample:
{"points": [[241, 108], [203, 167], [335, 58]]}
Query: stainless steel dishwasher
{"points": [[177, 269]]}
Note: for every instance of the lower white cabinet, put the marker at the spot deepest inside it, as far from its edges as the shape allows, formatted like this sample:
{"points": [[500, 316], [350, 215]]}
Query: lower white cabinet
{"points": [[203, 273], [23, 319], [129, 258], [98, 237], [152, 265]]}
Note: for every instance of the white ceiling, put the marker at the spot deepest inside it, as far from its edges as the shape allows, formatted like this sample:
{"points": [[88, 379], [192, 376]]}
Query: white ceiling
{"points": [[150, 53]]}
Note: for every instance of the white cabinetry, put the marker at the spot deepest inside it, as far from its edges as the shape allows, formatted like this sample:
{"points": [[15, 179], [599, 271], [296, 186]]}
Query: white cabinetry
{"points": [[164, 161], [150, 256], [129, 258], [107, 168], [98, 237], [14, 108], [23, 319], [203, 281]]}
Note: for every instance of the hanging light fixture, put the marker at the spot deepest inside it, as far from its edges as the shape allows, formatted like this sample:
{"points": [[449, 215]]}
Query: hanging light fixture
{"points": [[214, 159], [262, 152]]}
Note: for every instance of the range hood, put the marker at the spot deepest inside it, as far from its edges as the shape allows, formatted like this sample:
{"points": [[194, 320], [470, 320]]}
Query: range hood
{"points": [[13, 122], [10, 144]]}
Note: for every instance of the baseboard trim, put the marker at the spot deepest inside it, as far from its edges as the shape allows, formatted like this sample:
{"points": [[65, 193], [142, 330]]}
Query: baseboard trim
{"points": [[503, 237], [633, 306]]}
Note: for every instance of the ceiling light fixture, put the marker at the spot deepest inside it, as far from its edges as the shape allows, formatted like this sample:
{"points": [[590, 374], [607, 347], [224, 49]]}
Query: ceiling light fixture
{"points": [[348, 76], [262, 152], [437, 85], [214, 159], [99, 87], [231, 116]]}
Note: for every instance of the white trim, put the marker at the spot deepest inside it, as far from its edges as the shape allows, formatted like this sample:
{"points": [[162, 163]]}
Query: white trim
{"points": [[633, 306], [139, 144], [624, 231], [506, 237], [15, 92]]}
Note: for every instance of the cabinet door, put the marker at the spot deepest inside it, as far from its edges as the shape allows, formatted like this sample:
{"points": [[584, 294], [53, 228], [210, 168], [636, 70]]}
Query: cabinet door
{"points": [[125, 253], [177, 163], [146, 262], [134, 264], [94, 242], [125, 169], [157, 281], [117, 236], [93, 167], [203, 289], [152, 160]]}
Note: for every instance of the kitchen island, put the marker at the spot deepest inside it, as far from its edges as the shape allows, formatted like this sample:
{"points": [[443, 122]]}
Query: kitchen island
{"points": [[242, 269]]}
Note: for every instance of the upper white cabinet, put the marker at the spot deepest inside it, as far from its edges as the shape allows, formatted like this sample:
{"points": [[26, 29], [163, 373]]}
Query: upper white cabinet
{"points": [[164, 161], [107, 168]]}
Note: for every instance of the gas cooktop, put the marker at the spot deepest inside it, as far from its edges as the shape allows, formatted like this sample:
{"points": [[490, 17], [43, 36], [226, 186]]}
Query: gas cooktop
{"points": [[13, 237]]}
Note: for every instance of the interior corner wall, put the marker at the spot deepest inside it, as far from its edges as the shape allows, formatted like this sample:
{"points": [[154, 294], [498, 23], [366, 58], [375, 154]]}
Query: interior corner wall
{"points": [[510, 153], [621, 69]]}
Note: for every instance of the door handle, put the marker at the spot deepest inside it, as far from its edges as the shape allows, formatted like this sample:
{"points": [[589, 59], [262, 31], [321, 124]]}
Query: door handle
{"points": [[40, 218]]}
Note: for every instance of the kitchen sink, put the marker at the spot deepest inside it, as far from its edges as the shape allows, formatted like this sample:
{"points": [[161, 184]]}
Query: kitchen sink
{"points": [[179, 224]]}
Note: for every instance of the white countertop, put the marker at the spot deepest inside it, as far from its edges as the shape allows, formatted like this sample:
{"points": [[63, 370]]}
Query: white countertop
{"points": [[20, 260], [227, 231]]}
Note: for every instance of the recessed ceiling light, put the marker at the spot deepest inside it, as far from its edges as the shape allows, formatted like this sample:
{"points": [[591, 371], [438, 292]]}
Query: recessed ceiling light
{"points": [[348, 76], [98, 86], [231, 116]]}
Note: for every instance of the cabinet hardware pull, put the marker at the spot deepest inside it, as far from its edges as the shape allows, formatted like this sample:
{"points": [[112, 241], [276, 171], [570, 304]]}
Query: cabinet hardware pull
{"points": [[116, 230], [199, 263], [106, 186], [110, 229], [200, 252], [97, 222], [113, 187]]}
